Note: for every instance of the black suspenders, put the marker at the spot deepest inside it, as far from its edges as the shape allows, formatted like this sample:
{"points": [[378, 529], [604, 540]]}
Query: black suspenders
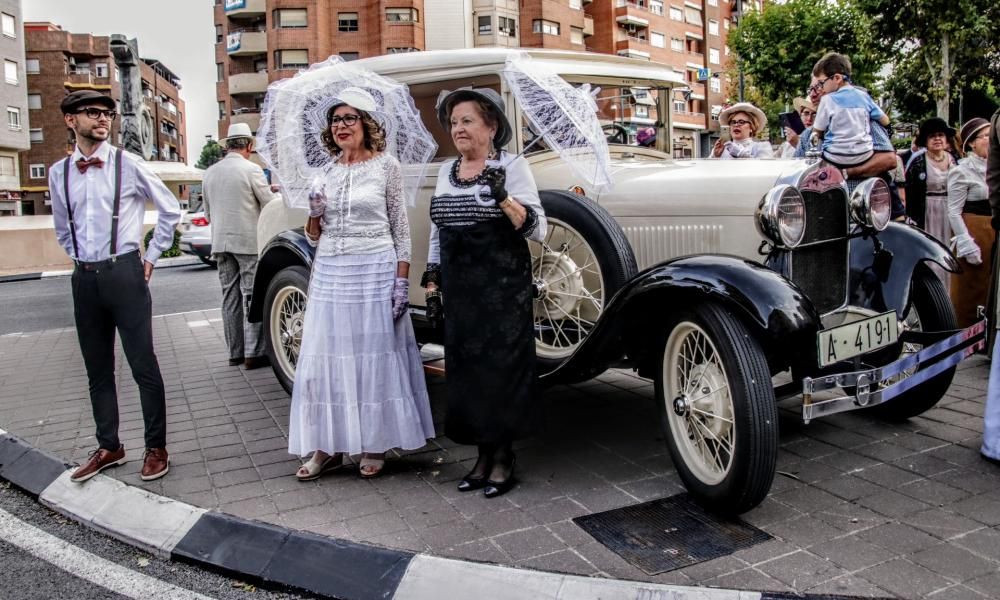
{"points": [[114, 214]]}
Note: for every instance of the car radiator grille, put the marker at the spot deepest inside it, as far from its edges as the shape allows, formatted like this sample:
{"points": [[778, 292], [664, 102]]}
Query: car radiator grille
{"points": [[820, 264]]}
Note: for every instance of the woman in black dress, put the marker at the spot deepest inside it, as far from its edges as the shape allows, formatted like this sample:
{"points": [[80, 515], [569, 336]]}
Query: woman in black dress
{"points": [[484, 210]]}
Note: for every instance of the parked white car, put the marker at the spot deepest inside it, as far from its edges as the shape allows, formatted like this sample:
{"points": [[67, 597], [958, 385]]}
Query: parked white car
{"points": [[716, 279]]}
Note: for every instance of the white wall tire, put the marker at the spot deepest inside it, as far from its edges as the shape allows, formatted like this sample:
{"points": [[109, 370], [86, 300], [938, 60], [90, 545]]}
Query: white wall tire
{"points": [[284, 314]]}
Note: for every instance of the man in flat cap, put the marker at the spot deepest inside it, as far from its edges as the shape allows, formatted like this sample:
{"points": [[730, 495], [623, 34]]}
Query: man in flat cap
{"points": [[99, 198]]}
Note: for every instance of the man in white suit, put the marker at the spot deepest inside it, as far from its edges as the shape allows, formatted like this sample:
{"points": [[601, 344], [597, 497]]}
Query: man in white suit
{"points": [[235, 190]]}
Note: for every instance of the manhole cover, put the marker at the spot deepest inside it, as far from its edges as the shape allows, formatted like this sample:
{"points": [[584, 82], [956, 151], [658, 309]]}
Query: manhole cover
{"points": [[669, 533]]}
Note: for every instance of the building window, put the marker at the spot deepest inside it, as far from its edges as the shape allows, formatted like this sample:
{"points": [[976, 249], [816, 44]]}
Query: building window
{"points": [[485, 25], [576, 4], [677, 44], [291, 18], [36, 136], [576, 35], [37, 171], [292, 59], [35, 101], [220, 73], [348, 56], [715, 84], [727, 50], [680, 106], [641, 111], [402, 50], [218, 34], [713, 2], [7, 166], [222, 110], [117, 74], [713, 27], [347, 21], [725, 24], [543, 26], [507, 26], [656, 7], [713, 56], [9, 25], [32, 67], [10, 71], [101, 70], [14, 118], [676, 14], [401, 15], [657, 40], [692, 15]]}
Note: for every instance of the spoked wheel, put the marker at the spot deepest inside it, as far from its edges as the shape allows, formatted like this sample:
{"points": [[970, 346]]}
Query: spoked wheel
{"points": [[583, 260], [284, 310], [930, 310], [716, 402]]}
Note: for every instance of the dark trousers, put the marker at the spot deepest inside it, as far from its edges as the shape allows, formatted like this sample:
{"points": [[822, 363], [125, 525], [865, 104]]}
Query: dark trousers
{"points": [[111, 296]]}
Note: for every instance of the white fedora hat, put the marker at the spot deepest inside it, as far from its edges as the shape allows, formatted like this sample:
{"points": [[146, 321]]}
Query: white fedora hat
{"points": [[238, 130]]}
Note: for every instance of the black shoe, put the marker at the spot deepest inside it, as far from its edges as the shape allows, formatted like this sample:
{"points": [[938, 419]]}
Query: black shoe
{"points": [[990, 459], [256, 362], [469, 484], [499, 488], [236, 361]]}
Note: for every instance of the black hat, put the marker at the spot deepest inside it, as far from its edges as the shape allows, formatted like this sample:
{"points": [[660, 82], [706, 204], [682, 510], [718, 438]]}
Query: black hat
{"points": [[80, 97], [971, 128], [447, 100], [932, 126]]}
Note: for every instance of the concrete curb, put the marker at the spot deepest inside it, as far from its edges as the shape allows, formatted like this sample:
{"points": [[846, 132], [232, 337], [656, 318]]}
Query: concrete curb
{"points": [[177, 261], [318, 564]]}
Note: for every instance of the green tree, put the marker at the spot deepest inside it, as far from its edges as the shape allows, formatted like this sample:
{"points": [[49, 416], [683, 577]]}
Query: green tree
{"points": [[211, 153], [955, 41], [777, 47]]}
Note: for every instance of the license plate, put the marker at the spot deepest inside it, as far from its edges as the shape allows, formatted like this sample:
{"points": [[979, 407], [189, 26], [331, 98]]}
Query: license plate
{"points": [[850, 340]]}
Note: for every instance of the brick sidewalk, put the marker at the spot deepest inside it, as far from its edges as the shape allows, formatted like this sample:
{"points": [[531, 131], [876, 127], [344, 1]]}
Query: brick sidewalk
{"points": [[858, 507]]}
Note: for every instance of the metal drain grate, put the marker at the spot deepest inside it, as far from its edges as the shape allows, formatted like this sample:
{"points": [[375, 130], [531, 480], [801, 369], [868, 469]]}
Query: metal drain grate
{"points": [[669, 533]]}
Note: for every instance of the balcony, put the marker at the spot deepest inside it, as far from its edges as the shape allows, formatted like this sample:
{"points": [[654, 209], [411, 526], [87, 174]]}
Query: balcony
{"points": [[251, 117], [245, 8], [246, 43], [588, 25], [248, 83], [84, 79], [632, 20], [633, 53]]}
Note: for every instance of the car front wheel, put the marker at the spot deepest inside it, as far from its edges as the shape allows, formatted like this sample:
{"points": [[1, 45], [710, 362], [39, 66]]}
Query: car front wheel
{"points": [[716, 403], [284, 313]]}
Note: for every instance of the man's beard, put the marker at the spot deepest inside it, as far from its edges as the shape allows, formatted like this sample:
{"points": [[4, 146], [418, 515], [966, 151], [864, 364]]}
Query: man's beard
{"points": [[93, 137]]}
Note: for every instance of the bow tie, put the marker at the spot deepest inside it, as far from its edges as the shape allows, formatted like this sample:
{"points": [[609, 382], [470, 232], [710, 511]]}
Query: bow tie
{"points": [[85, 163]]}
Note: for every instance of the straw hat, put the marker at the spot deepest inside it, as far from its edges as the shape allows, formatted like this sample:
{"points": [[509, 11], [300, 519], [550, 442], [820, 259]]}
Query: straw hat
{"points": [[799, 103]]}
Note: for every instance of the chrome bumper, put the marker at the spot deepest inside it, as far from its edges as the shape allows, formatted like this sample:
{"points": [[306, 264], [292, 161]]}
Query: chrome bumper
{"points": [[869, 389]]}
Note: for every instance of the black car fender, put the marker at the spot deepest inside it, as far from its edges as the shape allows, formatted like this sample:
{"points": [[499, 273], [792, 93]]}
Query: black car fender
{"points": [[777, 312], [882, 266], [286, 249]]}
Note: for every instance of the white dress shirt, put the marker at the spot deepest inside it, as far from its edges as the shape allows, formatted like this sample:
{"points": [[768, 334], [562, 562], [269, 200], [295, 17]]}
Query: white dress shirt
{"points": [[92, 195]]}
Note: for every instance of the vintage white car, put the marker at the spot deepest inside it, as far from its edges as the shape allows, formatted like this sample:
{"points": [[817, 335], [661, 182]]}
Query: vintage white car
{"points": [[716, 279]]}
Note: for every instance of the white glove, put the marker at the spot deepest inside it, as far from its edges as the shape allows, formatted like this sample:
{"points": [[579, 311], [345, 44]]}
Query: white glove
{"points": [[739, 150], [966, 247]]}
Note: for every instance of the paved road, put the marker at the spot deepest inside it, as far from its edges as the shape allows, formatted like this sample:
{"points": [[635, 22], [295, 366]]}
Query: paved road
{"points": [[47, 303], [46, 556]]}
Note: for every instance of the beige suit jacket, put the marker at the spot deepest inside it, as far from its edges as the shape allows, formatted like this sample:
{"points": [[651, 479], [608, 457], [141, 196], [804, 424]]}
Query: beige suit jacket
{"points": [[235, 191]]}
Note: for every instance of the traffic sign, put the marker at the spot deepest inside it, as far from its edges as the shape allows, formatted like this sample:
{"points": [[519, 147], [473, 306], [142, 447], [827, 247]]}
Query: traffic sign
{"points": [[704, 74]]}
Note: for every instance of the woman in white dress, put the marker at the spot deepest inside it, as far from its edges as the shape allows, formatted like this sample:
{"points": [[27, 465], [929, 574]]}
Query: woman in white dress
{"points": [[744, 121], [359, 383]]}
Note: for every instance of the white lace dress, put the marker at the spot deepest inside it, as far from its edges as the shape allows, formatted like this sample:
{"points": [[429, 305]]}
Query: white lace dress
{"points": [[359, 382]]}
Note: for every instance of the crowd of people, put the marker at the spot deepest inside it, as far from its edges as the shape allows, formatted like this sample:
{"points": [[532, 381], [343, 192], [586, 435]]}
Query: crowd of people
{"points": [[359, 386]]}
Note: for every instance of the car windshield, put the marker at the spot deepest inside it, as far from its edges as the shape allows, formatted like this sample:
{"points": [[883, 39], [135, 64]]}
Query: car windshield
{"points": [[627, 116]]}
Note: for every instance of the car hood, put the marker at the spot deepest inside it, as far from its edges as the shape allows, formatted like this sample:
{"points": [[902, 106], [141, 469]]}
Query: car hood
{"points": [[650, 185]]}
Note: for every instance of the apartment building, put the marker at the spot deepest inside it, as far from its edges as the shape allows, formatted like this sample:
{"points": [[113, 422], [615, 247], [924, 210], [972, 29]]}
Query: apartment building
{"points": [[59, 62], [14, 98]]}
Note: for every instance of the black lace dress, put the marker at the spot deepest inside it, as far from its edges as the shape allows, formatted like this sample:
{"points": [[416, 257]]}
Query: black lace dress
{"points": [[485, 280]]}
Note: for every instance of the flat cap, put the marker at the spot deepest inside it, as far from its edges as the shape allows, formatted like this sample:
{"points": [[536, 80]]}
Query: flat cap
{"points": [[78, 98]]}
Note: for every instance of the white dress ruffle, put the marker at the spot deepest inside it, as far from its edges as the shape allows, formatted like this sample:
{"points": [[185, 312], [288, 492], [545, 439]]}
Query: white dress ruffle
{"points": [[359, 381]]}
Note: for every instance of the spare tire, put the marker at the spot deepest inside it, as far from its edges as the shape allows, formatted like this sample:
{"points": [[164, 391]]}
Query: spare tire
{"points": [[583, 261]]}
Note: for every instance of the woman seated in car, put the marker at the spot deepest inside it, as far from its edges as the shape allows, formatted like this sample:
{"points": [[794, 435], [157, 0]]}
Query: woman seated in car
{"points": [[744, 121]]}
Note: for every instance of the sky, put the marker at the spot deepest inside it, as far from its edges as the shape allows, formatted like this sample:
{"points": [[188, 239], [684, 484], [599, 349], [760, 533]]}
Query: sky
{"points": [[178, 33]]}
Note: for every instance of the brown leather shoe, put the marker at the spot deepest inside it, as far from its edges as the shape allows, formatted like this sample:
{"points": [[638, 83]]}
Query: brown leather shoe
{"points": [[256, 362], [99, 460], [155, 464]]}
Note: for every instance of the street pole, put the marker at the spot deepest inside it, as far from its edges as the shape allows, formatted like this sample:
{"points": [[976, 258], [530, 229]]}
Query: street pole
{"points": [[739, 65]]}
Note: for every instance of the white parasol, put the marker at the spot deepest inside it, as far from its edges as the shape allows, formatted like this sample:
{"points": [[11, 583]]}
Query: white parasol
{"points": [[294, 117], [565, 117]]}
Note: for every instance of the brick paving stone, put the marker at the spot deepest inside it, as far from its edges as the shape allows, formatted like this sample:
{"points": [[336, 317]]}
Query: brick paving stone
{"points": [[848, 487], [956, 592], [849, 585], [852, 553], [808, 499], [898, 537], [564, 561], [528, 543], [904, 578], [768, 512], [969, 480], [986, 585], [944, 524], [448, 534], [984, 508], [252, 508], [362, 506], [241, 491], [804, 531], [377, 524], [235, 476], [749, 579], [409, 540], [800, 570], [932, 492], [953, 562], [892, 504], [710, 569], [309, 516], [984, 542]]}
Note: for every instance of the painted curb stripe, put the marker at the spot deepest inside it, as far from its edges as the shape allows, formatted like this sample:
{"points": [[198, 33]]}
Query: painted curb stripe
{"points": [[127, 513], [315, 563], [28, 468]]}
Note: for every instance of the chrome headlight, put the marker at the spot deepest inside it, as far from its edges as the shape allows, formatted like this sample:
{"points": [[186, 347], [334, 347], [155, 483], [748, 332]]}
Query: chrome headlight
{"points": [[781, 216], [871, 204]]}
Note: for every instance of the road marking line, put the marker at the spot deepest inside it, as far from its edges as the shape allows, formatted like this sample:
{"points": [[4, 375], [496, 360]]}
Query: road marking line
{"points": [[88, 566]]}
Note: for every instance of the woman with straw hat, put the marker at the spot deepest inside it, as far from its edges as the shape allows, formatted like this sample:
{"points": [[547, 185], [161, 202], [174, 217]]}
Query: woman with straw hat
{"points": [[744, 121]]}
